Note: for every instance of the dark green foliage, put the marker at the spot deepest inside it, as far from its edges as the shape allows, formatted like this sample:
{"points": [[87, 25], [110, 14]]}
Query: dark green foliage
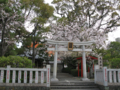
{"points": [[114, 49], [70, 61], [15, 61], [3, 1], [66, 70], [74, 72], [115, 63], [111, 56]]}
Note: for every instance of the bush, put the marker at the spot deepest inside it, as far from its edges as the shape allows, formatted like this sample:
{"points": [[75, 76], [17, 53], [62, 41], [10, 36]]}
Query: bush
{"points": [[15, 61], [74, 72], [66, 70], [115, 63]]}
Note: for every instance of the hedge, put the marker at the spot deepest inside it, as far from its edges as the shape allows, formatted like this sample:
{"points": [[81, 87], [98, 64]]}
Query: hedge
{"points": [[66, 70], [15, 61], [74, 72]]}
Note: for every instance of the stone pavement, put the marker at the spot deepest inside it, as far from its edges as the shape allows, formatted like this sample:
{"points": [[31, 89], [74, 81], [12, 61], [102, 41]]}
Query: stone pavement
{"points": [[68, 82], [65, 77]]}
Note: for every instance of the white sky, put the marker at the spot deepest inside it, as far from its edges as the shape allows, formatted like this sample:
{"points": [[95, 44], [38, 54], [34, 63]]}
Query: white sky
{"points": [[111, 36]]}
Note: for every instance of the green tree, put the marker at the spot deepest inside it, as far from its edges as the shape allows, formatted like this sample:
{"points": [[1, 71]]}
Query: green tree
{"points": [[11, 23], [111, 56], [114, 49], [38, 14], [115, 63]]}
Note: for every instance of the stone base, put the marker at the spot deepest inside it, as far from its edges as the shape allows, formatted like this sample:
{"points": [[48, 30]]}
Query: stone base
{"points": [[54, 79], [85, 79]]}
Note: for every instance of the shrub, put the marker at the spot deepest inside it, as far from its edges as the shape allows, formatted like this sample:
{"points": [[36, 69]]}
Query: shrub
{"points": [[115, 63], [15, 61], [74, 72], [66, 70]]}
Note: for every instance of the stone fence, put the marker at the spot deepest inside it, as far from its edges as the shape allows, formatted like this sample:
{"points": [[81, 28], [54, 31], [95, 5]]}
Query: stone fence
{"points": [[25, 75], [106, 76]]}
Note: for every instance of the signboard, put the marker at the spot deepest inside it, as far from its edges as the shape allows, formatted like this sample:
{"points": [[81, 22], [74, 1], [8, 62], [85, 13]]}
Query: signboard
{"points": [[100, 62], [70, 45]]}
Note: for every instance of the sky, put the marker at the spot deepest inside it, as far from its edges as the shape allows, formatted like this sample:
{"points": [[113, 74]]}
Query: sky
{"points": [[111, 36]]}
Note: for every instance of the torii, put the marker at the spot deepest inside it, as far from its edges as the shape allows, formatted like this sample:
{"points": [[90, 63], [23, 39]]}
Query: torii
{"points": [[56, 49]]}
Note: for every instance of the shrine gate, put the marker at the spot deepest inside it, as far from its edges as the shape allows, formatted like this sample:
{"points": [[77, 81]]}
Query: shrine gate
{"points": [[56, 49]]}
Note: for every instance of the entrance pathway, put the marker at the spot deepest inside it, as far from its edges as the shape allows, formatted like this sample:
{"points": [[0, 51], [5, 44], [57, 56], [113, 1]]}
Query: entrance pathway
{"points": [[68, 82], [65, 77]]}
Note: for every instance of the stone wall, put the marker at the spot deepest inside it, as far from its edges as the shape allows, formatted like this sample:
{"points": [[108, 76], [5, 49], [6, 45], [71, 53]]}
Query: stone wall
{"points": [[23, 87], [110, 87]]}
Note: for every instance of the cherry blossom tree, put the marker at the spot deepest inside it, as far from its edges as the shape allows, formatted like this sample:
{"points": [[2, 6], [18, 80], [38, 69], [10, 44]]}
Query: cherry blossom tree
{"points": [[11, 23], [85, 20]]}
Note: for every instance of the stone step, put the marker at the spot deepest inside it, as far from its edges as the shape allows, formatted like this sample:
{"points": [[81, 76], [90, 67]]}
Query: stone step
{"points": [[76, 89], [73, 87], [72, 84]]}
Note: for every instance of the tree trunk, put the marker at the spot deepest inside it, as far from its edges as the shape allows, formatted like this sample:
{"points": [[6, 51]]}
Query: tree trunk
{"points": [[33, 60], [2, 40]]}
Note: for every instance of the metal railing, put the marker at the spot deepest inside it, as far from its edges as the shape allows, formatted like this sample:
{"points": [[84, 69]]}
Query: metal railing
{"points": [[25, 75]]}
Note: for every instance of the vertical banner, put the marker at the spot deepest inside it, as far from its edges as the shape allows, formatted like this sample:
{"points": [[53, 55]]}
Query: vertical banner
{"points": [[48, 75], [19, 76], [8, 74], [42, 76], [100, 62]]}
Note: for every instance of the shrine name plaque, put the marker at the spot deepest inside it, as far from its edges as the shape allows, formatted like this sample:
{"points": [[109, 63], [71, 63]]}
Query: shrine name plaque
{"points": [[70, 46]]}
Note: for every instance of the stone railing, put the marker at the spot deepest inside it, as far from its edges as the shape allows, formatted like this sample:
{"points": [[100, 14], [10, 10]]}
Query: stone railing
{"points": [[100, 75], [113, 75], [25, 75], [106, 76]]}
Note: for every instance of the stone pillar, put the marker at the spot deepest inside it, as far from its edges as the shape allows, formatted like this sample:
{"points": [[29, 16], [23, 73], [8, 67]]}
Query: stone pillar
{"points": [[84, 65], [55, 65]]}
